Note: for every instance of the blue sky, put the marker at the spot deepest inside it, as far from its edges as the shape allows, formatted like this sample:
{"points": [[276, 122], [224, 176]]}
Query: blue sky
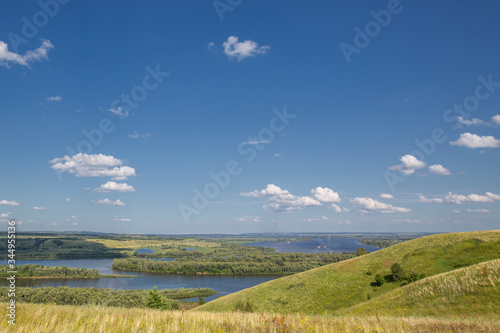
{"points": [[250, 116]]}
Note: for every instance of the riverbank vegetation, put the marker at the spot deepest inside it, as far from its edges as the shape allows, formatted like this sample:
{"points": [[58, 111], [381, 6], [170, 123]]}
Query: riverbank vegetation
{"points": [[100, 296], [274, 263], [30, 270]]}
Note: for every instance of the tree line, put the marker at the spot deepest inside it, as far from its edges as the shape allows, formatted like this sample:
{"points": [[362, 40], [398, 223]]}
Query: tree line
{"points": [[30, 270], [275, 263], [99, 296]]}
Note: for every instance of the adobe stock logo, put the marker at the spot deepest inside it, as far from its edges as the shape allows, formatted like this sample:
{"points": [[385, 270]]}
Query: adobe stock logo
{"points": [[372, 29], [30, 28]]}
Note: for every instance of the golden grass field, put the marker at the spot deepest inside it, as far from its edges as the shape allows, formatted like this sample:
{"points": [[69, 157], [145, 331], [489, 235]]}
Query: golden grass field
{"points": [[37, 318]]}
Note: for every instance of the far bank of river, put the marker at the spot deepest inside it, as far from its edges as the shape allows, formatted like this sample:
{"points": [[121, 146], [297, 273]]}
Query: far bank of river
{"points": [[224, 284]]}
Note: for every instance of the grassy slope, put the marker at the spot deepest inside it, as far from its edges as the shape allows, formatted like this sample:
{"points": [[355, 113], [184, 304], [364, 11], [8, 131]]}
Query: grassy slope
{"points": [[466, 291], [38, 318], [328, 289]]}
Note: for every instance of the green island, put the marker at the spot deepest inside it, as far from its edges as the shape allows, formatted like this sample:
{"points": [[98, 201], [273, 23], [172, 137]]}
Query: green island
{"points": [[275, 263], [36, 271]]}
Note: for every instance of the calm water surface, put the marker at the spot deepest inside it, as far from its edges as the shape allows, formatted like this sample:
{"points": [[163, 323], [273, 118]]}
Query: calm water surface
{"points": [[317, 245]]}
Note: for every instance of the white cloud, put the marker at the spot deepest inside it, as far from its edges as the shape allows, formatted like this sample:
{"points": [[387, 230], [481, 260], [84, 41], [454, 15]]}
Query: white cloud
{"points": [[338, 209], [136, 135], [475, 141], [455, 211], [461, 199], [9, 203], [422, 198], [54, 99], [249, 219], [409, 164], [282, 200], [121, 219], [5, 214], [478, 211], [368, 205], [75, 223], [386, 196], [210, 45], [406, 221], [493, 196], [242, 50], [39, 208], [118, 112], [325, 195], [94, 165], [117, 187], [39, 54], [110, 202], [496, 119], [68, 199], [277, 155], [473, 121], [438, 169], [256, 142]]}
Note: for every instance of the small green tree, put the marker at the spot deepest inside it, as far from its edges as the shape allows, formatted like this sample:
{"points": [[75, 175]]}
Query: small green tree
{"points": [[379, 280], [201, 300], [156, 301], [360, 251], [398, 272]]}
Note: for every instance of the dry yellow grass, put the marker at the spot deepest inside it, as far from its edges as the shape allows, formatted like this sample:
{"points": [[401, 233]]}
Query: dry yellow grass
{"points": [[36, 318]]}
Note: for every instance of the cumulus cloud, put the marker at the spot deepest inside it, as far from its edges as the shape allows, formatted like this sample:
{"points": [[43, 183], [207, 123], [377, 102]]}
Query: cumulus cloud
{"points": [[54, 99], [136, 135], [5, 214], [422, 198], [115, 187], [325, 195], [368, 205], [337, 209], [9, 203], [121, 219], [496, 119], [478, 211], [461, 199], [409, 164], [282, 200], [386, 196], [475, 141], [39, 208], [241, 50], [473, 121], [111, 202], [94, 165], [438, 169], [7, 57]]}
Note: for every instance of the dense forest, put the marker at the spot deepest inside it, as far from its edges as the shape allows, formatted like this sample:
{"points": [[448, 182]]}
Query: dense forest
{"points": [[59, 248], [99, 296], [381, 242], [30, 270], [275, 263]]}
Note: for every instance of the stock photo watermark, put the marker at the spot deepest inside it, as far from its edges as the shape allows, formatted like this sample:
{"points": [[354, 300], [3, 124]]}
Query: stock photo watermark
{"points": [[427, 146], [223, 6], [363, 37], [11, 269], [31, 26], [119, 107], [222, 178]]}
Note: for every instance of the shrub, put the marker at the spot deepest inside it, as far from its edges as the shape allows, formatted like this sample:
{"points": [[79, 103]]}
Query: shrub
{"points": [[379, 280]]}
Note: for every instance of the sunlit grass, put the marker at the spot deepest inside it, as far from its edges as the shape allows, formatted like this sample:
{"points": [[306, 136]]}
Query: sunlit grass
{"points": [[35, 318]]}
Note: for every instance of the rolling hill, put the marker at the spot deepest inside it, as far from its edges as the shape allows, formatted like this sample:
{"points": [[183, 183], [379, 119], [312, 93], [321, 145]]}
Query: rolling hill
{"points": [[334, 288]]}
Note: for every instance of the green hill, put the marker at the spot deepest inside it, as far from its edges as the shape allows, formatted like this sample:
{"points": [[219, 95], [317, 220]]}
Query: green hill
{"points": [[332, 288], [471, 290]]}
